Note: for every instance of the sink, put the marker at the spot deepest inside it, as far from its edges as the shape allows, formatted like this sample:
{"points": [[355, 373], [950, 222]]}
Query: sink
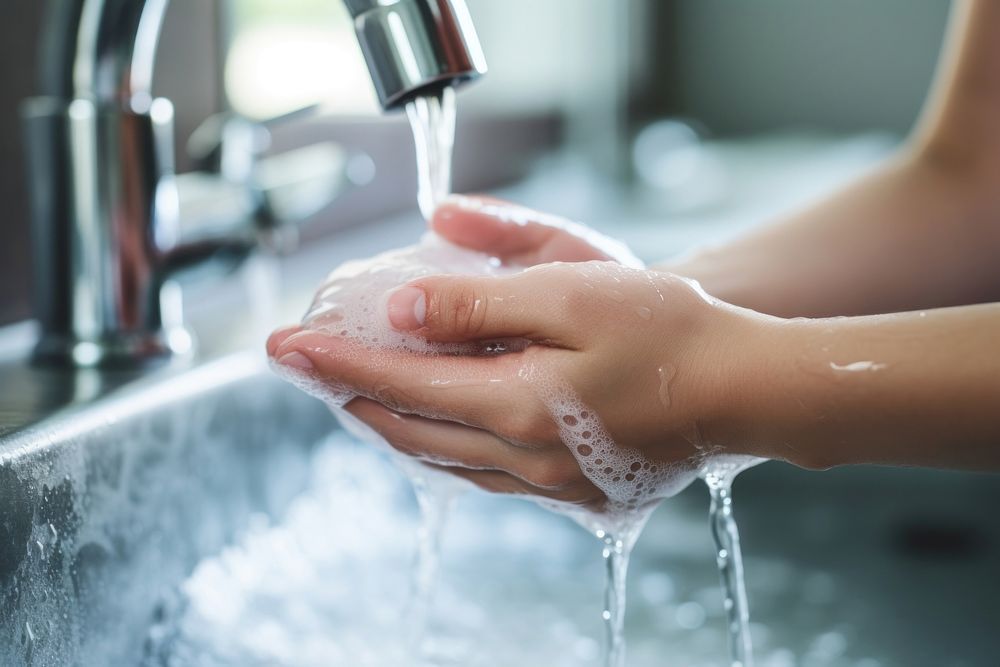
{"points": [[863, 567], [106, 507]]}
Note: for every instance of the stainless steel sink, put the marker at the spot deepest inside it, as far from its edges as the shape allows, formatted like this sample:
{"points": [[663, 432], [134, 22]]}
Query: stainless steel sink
{"points": [[105, 507]]}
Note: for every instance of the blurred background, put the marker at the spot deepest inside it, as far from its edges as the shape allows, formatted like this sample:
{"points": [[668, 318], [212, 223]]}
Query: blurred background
{"points": [[655, 119]]}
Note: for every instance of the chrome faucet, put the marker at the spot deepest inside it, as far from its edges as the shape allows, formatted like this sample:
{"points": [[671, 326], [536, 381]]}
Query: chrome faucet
{"points": [[114, 225]]}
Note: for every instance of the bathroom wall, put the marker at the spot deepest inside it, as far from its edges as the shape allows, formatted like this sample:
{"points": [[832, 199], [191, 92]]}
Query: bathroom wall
{"points": [[750, 67]]}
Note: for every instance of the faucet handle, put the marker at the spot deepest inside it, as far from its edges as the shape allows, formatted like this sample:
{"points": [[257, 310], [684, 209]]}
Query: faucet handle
{"points": [[237, 195], [223, 140]]}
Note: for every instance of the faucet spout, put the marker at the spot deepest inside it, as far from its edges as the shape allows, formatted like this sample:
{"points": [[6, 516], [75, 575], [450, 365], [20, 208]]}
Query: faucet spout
{"points": [[415, 47]]}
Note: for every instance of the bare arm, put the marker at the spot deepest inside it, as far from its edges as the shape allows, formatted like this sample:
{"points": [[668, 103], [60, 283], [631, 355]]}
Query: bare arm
{"points": [[907, 389], [921, 232]]}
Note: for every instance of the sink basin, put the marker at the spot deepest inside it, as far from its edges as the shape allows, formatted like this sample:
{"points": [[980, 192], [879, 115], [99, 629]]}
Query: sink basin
{"points": [[861, 567], [105, 508]]}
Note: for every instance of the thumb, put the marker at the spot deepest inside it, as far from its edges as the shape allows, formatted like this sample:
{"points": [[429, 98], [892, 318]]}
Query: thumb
{"points": [[470, 308]]}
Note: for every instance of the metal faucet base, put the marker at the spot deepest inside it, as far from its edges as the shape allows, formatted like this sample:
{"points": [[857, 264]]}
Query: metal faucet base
{"points": [[124, 351]]}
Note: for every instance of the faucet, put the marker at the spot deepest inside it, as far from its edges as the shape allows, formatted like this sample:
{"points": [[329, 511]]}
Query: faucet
{"points": [[113, 223]]}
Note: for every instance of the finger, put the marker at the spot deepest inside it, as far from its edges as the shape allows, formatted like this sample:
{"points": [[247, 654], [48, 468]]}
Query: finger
{"points": [[463, 450], [583, 494], [279, 336], [484, 392], [443, 442], [532, 305], [515, 234]]}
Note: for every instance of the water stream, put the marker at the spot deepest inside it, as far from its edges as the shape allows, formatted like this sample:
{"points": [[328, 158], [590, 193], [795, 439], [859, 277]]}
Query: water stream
{"points": [[719, 476], [432, 120], [435, 501], [617, 552]]}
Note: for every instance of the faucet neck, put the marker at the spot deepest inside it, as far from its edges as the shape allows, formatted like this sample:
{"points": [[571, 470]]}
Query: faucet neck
{"points": [[100, 50], [100, 151]]}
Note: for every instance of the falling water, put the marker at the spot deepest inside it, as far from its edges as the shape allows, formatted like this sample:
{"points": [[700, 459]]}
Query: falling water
{"points": [[618, 531], [719, 476], [616, 557], [432, 120], [435, 500], [617, 547]]}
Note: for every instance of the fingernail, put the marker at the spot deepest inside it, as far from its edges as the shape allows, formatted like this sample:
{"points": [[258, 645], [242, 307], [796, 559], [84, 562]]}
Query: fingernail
{"points": [[298, 361], [278, 336], [407, 307]]}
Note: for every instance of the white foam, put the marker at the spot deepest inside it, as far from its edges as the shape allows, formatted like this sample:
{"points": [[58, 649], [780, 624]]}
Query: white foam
{"points": [[351, 303], [633, 482]]}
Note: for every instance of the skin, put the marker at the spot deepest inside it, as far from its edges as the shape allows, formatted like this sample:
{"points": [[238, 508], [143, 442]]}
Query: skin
{"points": [[862, 330]]}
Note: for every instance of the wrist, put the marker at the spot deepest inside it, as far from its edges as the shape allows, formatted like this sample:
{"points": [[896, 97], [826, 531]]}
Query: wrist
{"points": [[765, 400]]}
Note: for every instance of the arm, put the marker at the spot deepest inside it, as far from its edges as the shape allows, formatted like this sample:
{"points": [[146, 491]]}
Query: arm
{"points": [[921, 232], [917, 388]]}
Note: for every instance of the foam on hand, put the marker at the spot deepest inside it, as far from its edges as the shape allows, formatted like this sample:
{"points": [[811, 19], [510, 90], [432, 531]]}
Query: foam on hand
{"points": [[351, 304]]}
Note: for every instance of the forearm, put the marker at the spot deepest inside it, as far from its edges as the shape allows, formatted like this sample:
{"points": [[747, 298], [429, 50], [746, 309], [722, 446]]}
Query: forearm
{"points": [[909, 389], [922, 232], [912, 235]]}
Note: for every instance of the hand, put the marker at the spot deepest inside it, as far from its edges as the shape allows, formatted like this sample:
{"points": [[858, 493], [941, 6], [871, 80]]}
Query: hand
{"points": [[646, 353], [521, 236]]}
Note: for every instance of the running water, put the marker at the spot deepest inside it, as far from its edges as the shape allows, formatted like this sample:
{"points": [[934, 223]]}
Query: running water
{"points": [[718, 475], [617, 551], [435, 501], [432, 119]]}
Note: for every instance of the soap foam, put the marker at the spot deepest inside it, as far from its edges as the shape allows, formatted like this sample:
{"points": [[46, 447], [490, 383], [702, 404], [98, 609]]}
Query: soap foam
{"points": [[633, 483]]}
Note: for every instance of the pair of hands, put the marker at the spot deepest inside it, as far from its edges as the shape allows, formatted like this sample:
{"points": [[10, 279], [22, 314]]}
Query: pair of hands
{"points": [[646, 351]]}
